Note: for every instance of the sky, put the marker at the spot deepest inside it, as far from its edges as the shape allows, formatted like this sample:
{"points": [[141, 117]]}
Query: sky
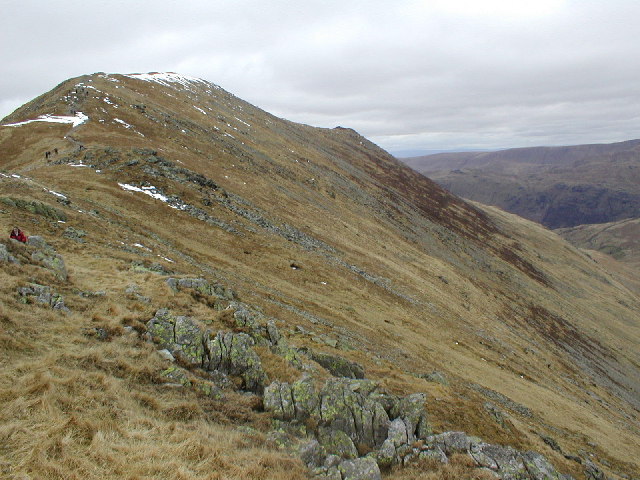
{"points": [[410, 75]]}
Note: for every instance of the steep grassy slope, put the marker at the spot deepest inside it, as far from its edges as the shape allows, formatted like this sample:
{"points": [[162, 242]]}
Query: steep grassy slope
{"points": [[620, 239], [555, 186], [349, 251]]}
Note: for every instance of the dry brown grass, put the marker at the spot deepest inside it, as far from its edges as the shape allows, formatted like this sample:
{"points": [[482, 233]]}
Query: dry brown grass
{"points": [[460, 467], [73, 407], [277, 368]]}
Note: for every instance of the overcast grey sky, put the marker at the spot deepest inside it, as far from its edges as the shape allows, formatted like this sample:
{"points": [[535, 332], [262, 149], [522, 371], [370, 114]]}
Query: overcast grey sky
{"points": [[407, 74]]}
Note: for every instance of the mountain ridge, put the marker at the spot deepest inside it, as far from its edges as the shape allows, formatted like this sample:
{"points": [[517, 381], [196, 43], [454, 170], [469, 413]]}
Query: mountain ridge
{"points": [[335, 240]]}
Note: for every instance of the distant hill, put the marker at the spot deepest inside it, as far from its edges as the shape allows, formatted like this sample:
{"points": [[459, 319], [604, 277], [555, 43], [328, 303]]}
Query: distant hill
{"points": [[556, 186]]}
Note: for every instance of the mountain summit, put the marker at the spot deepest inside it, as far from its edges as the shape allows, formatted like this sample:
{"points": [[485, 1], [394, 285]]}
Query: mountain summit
{"points": [[214, 292]]}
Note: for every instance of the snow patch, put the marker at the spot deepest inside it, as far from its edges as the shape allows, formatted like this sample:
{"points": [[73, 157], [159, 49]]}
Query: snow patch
{"points": [[122, 122], [169, 79], [78, 119], [56, 194], [242, 121], [153, 192], [200, 110]]}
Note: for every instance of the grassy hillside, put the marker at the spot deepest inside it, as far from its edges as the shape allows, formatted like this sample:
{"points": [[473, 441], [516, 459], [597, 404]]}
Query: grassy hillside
{"points": [[345, 250]]}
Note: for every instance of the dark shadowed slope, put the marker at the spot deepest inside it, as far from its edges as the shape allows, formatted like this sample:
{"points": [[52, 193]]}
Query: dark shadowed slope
{"points": [[556, 186]]}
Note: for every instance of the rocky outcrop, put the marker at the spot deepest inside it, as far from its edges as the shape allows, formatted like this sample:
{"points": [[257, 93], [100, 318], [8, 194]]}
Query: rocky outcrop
{"points": [[148, 267], [338, 366], [231, 353], [411, 410], [435, 377], [46, 255], [337, 442], [5, 256], [227, 352], [179, 377], [201, 286], [346, 405], [182, 336], [42, 294], [35, 207], [350, 413], [360, 469], [327, 424], [75, 234]]}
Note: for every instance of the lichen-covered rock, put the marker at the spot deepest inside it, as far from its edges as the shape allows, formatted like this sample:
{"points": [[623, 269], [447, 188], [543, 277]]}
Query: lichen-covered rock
{"points": [[46, 255], [592, 472], [331, 461], [281, 439], [345, 405], [386, 454], [182, 336], [498, 415], [436, 377], [35, 207], [411, 409], [312, 453], [291, 354], [398, 434], [331, 473], [200, 285], [273, 333], [5, 256], [246, 317], [177, 375], [539, 468], [161, 329], [483, 456], [360, 469], [453, 442], [166, 355], [336, 442], [278, 399], [133, 292], [297, 401], [146, 267], [42, 294], [210, 389], [38, 242], [232, 353], [75, 234], [338, 366], [507, 461], [433, 453], [188, 339]]}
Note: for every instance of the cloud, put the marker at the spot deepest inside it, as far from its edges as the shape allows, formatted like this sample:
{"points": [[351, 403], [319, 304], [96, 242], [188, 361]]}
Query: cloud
{"points": [[408, 74]]}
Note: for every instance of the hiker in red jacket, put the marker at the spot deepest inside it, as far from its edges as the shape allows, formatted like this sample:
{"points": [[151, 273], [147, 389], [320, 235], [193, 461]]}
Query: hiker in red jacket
{"points": [[17, 234]]}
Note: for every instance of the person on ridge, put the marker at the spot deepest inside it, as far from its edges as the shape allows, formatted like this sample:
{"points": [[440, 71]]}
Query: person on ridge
{"points": [[17, 234]]}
